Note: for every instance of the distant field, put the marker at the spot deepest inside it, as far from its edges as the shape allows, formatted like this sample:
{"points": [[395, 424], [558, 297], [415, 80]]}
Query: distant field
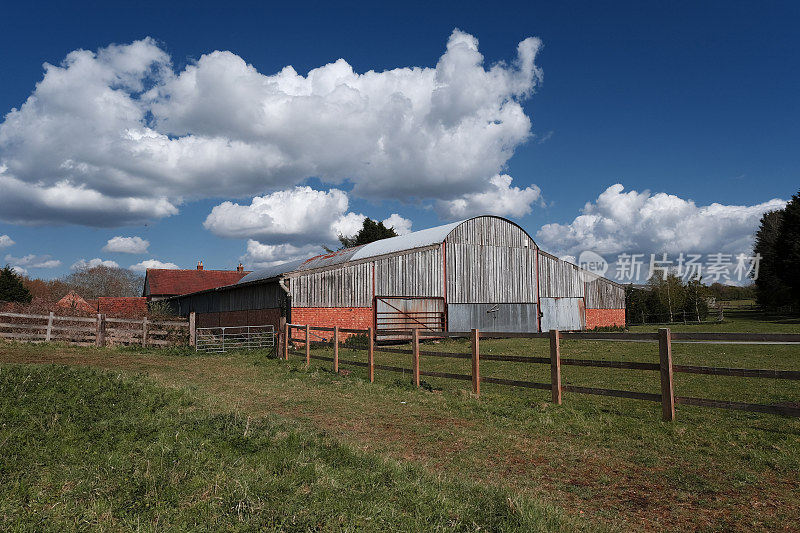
{"points": [[604, 462], [737, 319]]}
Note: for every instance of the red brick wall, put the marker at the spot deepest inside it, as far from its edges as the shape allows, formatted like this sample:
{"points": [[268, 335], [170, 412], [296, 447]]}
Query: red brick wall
{"points": [[604, 317], [344, 317]]}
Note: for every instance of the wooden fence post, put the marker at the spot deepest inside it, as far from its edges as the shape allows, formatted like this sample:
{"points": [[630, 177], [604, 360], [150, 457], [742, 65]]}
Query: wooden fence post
{"points": [[308, 347], [49, 333], [415, 353], [667, 390], [286, 336], [371, 355], [336, 349], [475, 338], [555, 365], [144, 332], [100, 335], [192, 329]]}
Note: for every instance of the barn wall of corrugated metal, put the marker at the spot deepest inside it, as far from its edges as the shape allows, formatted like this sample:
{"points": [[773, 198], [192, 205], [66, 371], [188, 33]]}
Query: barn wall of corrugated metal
{"points": [[490, 231], [348, 286], [490, 260], [490, 274], [419, 273], [602, 294], [559, 279]]}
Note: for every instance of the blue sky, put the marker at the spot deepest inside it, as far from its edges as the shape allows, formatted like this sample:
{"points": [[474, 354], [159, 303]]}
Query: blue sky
{"points": [[695, 100]]}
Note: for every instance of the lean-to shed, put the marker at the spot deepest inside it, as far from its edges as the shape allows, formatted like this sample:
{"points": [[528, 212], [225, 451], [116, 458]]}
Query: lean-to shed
{"points": [[485, 272]]}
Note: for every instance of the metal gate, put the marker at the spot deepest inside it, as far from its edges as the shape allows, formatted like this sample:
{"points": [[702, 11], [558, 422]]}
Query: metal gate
{"points": [[230, 338], [397, 313]]}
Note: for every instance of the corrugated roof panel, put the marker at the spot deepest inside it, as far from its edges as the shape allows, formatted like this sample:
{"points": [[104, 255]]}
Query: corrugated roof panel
{"points": [[410, 241], [272, 271], [333, 258], [417, 239]]}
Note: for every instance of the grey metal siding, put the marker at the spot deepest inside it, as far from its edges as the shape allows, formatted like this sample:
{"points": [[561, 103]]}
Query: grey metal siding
{"points": [[490, 274], [414, 274], [492, 317], [348, 286], [558, 279], [565, 314], [603, 294]]}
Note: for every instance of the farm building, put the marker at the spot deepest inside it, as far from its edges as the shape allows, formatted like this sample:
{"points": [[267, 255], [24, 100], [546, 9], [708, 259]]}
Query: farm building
{"points": [[485, 272], [161, 283]]}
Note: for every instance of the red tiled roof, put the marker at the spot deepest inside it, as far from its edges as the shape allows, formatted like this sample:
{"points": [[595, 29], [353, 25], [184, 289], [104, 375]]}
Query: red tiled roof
{"points": [[73, 301], [123, 307], [173, 282]]}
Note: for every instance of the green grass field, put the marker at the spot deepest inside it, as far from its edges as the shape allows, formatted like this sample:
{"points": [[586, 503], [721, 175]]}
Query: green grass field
{"points": [[509, 460], [83, 449]]}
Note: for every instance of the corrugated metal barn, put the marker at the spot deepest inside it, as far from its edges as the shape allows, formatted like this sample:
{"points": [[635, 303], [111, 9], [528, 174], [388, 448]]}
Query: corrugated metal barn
{"points": [[485, 272]]}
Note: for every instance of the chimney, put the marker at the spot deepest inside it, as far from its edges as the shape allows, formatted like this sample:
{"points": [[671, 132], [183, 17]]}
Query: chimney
{"points": [[240, 268], [199, 265]]}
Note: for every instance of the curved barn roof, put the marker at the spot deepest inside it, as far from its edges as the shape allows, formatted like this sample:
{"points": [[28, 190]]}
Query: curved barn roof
{"points": [[410, 241]]}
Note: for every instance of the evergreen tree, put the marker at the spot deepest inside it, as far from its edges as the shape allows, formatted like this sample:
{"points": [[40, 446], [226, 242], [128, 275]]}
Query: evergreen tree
{"points": [[11, 287], [787, 249], [770, 288], [370, 231], [636, 305]]}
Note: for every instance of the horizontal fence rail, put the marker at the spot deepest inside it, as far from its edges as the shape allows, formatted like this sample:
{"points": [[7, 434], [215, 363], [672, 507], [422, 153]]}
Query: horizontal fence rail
{"points": [[664, 337], [230, 338], [99, 330]]}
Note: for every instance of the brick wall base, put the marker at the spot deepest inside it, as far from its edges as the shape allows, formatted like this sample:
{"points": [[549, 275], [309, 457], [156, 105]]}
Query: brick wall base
{"points": [[604, 317], [344, 317]]}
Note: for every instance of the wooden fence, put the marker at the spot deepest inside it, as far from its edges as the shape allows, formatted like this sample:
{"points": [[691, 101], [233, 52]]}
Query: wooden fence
{"points": [[99, 330], [667, 397]]}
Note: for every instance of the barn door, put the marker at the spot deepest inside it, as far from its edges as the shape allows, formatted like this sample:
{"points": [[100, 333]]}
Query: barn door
{"points": [[393, 313], [566, 314]]}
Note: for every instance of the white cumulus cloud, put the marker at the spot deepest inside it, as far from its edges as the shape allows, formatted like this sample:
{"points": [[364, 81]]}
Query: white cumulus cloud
{"points": [[118, 136], [499, 199], [299, 216], [18, 270], [127, 245], [152, 263], [263, 255], [644, 222], [5, 241], [400, 225], [83, 264], [33, 261]]}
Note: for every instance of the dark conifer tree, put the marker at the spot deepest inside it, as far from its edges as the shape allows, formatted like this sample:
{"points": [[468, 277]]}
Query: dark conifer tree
{"points": [[787, 250], [370, 231], [12, 288], [770, 289]]}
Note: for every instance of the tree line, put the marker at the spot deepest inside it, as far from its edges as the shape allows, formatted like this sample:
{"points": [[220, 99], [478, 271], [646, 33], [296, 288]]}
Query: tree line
{"points": [[89, 283], [668, 299]]}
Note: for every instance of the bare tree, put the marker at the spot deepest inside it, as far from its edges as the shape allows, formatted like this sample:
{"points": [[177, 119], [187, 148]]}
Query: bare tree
{"points": [[105, 281]]}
